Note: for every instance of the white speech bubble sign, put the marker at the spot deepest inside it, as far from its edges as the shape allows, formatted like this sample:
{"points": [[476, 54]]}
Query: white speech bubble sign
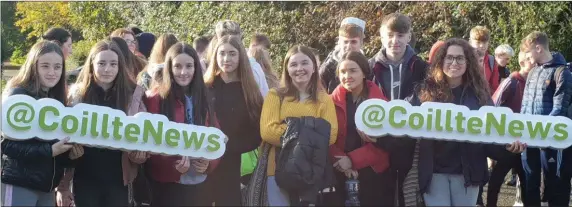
{"points": [[24, 117], [446, 121]]}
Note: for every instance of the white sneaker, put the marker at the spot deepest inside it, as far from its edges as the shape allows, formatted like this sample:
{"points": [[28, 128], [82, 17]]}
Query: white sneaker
{"points": [[544, 204], [518, 204]]}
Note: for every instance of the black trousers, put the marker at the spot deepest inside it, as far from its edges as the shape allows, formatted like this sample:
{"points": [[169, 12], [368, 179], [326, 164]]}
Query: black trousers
{"points": [[175, 194], [94, 194], [373, 190], [498, 174], [556, 189]]}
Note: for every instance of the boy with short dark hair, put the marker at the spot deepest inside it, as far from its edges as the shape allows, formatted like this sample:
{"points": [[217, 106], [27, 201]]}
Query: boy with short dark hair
{"points": [[396, 70]]}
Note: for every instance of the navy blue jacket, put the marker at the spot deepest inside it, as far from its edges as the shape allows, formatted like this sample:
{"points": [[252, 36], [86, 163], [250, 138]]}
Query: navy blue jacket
{"points": [[473, 155], [547, 93]]}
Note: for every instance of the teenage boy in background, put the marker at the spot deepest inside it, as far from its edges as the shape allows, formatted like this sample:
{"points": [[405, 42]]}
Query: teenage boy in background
{"points": [[397, 69]]}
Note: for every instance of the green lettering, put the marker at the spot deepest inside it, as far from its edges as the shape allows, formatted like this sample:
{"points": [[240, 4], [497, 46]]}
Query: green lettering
{"points": [[149, 130], [537, 128], [93, 125], [42, 120], [499, 127], [474, 125], [448, 118], [460, 118], [104, 132], [429, 119], [214, 145], [84, 121], [131, 132], [560, 129], [193, 139], [116, 125], [65, 123], [392, 112], [172, 137], [438, 125], [419, 123], [515, 128]]}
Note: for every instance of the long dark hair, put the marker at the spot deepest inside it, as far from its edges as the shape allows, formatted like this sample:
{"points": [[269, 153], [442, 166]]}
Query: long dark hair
{"points": [[28, 78], [170, 91], [123, 86], [435, 87]]}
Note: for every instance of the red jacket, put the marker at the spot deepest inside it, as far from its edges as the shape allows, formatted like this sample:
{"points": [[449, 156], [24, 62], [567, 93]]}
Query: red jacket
{"points": [[510, 92], [368, 155], [492, 76], [160, 167]]}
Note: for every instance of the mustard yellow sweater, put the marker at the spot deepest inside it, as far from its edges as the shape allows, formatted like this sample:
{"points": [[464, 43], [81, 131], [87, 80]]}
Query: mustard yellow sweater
{"points": [[272, 128]]}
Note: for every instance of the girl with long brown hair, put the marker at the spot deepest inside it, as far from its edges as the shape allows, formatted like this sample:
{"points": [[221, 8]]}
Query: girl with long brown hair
{"points": [[450, 172], [31, 167], [182, 97], [355, 153], [300, 94], [238, 103], [102, 177], [156, 60]]}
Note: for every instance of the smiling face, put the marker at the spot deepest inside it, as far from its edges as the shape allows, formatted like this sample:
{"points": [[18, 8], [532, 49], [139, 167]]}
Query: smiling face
{"points": [[50, 68], [351, 75], [227, 58], [454, 65], [183, 68], [300, 69], [106, 67]]}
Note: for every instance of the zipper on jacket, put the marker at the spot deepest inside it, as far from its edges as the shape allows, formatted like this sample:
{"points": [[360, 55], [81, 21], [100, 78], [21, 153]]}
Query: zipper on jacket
{"points": [[536, 87], [53, 175]]}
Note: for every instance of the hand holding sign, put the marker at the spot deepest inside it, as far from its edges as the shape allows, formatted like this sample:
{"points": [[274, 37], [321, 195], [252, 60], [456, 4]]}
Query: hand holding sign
{"points": [[200, 165], [76, 151], [516, 147], [61, 147], [183, 165], [138, 156]]}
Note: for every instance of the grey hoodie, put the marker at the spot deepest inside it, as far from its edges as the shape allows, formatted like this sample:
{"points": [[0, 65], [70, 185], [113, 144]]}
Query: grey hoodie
{"points": [[395, 75]]}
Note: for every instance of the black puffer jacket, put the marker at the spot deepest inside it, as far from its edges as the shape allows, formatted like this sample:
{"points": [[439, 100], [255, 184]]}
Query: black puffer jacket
{"points": [[29, 163], [302, 165]]}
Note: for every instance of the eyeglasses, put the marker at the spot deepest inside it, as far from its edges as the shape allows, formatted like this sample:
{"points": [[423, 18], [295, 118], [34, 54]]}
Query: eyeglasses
{"points": [[449, 59], [131, 41]]}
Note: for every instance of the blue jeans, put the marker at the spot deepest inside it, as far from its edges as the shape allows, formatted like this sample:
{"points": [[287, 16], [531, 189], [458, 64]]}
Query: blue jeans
{"points": [[450, 190], [276, 195]]}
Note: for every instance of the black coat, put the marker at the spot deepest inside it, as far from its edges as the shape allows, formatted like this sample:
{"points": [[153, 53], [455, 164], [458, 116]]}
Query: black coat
{"points": [[30, 163]]}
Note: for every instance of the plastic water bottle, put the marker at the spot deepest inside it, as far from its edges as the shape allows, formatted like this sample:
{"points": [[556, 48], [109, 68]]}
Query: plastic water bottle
{"points": [[352, 189]]}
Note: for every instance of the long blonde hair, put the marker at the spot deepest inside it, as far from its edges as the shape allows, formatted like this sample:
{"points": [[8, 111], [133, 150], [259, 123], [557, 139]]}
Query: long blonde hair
{"points": [[261, 56], [252, 95], [28, 76]]}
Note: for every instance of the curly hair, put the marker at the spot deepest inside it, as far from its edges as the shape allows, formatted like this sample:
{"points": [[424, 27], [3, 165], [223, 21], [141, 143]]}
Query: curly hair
{"points": [[435, 87]]}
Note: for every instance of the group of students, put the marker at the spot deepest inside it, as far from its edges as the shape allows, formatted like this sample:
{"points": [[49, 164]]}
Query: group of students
{"points": [[220, 83]]}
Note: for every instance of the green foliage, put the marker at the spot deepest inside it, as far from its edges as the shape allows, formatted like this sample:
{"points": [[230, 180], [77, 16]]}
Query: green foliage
{"points": [[79, 54], [314, 24], [12, 39]]}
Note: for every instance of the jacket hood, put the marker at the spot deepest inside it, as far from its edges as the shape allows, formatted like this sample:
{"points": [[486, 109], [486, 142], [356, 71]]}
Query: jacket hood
{"points": [[381, 56], [557, 59]]}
